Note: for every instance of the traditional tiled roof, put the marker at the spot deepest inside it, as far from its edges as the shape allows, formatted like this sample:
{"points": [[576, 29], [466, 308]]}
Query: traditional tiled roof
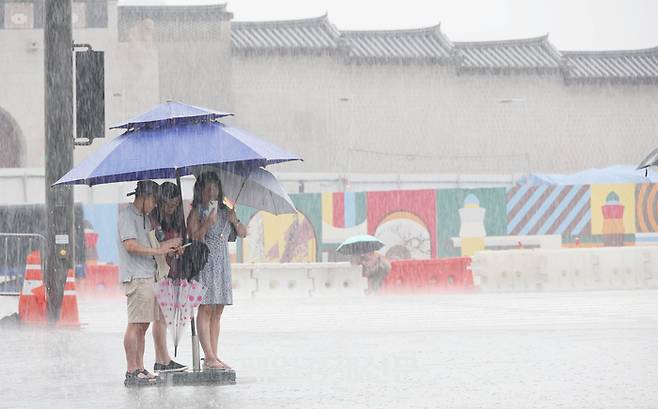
{"points": [[612, 66], [429, 45], [425, 44], [308, 35], [535, 54]]}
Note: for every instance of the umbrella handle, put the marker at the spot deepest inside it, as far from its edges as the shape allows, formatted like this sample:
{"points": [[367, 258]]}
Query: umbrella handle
{"points": [[183, 228], [196, 356]]}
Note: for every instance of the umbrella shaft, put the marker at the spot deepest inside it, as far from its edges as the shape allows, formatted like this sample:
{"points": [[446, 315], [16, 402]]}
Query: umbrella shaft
{"points": [[196, 356]]}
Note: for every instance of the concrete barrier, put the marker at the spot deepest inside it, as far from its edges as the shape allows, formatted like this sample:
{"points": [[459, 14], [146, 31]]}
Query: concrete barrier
{"points": [[507, 270], [243, 282], [648, 267], [284, 280], [566, 269], [337, 279], [296, 280]]}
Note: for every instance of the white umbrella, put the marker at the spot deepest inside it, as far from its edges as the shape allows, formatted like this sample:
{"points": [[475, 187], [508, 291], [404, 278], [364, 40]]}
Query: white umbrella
{"points": [[256, 188]]}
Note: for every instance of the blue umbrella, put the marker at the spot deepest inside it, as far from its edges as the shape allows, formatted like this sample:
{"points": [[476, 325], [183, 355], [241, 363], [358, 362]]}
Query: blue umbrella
{"points": [[170, 141], [361, 244], [172, 151], [172, 113]]}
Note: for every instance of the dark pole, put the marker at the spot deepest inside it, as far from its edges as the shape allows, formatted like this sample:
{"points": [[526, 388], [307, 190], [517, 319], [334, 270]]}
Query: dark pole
{"points": [[58, 101], [183, 228], [196, 361]]}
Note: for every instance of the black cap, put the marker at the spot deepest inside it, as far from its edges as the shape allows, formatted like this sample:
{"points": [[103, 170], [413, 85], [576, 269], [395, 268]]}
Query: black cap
{"points": [[146, 188]]}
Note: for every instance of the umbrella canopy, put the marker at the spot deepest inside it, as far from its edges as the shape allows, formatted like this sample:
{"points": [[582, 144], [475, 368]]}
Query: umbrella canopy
{"points": [[362, 244], [177, 300], [610, 174], [171, 113], [255, 187], [168, 152], [651, 160]]}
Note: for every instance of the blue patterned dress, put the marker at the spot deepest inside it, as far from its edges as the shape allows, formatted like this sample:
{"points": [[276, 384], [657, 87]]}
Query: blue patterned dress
{"points": [[216, 274]]}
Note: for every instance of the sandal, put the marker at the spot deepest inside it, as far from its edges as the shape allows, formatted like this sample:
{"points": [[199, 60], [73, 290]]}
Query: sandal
{"points": [[148, 374], [138, 378], [225, 365], [214, 367]]}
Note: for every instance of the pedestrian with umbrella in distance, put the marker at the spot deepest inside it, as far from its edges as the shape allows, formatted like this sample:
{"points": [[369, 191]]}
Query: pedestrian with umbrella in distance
{"points": [[363, 252]]}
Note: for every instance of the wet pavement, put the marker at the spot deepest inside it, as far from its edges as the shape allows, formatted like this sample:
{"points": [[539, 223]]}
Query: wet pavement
{"points": [[540, 350]]}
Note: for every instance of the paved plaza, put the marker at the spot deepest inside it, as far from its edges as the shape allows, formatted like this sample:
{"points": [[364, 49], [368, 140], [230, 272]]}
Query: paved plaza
{"points": [[534, 350]]}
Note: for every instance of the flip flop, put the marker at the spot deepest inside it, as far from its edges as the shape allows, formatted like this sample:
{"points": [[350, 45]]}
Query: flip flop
{"points": [[222, 366]]}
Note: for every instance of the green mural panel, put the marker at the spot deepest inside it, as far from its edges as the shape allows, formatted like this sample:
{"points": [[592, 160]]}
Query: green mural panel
{"points": [[310, 204], [448, 203], [360, 208]]}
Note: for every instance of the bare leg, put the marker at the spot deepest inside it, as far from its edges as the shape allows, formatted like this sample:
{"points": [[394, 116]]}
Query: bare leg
{"points": [[214, 327], [160, 341], [215, 324], [130, 346], [203, 328], [141, 344], [133, 343]]}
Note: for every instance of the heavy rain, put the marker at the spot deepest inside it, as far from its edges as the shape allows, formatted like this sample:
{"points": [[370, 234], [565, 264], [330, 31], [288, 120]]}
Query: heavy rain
{"points": [[328, 204]]}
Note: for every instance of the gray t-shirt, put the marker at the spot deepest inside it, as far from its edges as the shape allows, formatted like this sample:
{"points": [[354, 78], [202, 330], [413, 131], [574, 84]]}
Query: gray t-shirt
{"points": [[131, 226]]}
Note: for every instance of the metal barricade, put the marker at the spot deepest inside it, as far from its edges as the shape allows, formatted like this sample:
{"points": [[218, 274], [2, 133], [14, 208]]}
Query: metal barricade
{"points": [[14, 249]]}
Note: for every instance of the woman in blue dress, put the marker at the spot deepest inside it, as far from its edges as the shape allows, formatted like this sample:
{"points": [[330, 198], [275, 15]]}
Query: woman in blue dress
{"points": [[212, 222]]}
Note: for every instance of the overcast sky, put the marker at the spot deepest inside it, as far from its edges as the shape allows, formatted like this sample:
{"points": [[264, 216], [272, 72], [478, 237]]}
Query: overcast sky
{"points": [[571, 24]]}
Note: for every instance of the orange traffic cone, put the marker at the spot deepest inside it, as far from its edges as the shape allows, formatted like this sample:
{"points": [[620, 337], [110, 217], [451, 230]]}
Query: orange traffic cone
{"points": [[32, 300], [69, 310]]}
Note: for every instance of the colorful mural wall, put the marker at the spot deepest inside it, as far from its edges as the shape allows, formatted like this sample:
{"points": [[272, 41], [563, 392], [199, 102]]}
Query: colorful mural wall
{"points": [[423, 224]]}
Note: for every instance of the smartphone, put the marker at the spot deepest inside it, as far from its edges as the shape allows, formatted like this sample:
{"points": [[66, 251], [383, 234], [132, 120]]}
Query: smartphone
{"points": [[214, 204]]}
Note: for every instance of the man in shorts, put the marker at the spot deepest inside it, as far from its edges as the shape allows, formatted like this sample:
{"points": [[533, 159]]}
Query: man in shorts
{"points": [[138, 270]]}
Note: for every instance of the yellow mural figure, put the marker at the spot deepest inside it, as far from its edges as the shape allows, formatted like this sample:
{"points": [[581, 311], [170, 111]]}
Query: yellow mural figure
{"points": [[286, 238], [613, 221], [471, 230]]}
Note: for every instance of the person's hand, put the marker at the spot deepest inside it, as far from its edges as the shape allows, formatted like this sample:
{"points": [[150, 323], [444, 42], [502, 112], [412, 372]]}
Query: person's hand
{"points": [[164, 250], [169, 246], [179, 251], [232, 217]]}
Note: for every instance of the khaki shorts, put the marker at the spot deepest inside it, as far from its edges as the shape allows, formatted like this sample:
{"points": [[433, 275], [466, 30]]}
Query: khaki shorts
{"points": [[142, 305]]}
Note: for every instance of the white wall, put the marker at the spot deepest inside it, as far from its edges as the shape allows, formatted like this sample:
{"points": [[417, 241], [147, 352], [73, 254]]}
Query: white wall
{"points": [[424, 118], [347, 118]]}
